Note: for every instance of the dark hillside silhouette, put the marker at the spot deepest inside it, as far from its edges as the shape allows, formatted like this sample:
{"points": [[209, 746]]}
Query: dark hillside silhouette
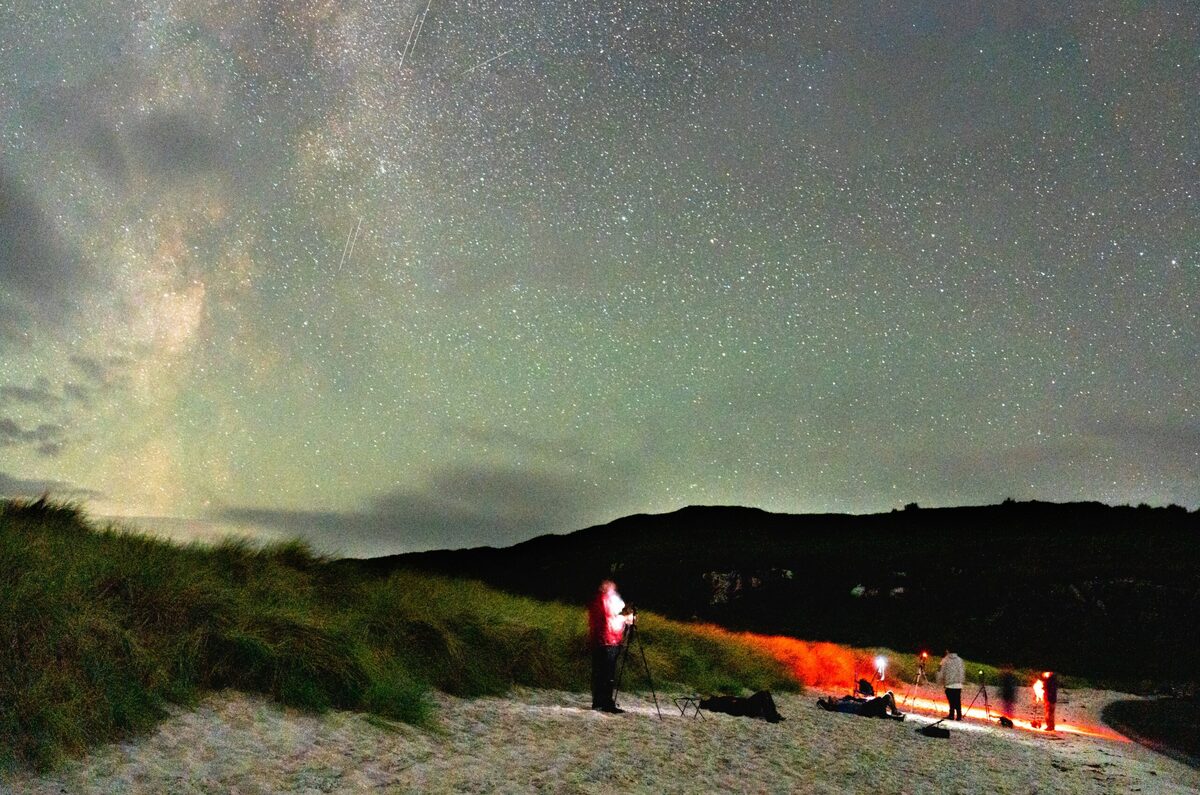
{"points": [[1085, 588]]}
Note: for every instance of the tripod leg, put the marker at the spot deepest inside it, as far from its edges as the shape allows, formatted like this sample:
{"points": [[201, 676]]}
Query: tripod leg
{"points": [[916, 685], [982, 689], [649, 678], [621, 664]]}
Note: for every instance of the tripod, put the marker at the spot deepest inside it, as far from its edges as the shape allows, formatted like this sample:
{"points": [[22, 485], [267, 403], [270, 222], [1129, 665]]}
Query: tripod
{"points": [[987, 708], [919, 680], [631, 635]]}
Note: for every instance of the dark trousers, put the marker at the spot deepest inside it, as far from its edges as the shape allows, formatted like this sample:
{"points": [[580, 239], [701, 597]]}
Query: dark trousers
{"points": [[954, 696], [1050, 715], [604, 671]]}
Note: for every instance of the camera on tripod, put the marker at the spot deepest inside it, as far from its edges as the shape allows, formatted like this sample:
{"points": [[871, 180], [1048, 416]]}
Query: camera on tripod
{"points": [[631, 638], [920, 679]]}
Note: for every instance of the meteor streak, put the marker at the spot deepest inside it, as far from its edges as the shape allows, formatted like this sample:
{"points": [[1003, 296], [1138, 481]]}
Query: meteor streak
{"points": [[482, 64], [414, 33], [348, 249]]}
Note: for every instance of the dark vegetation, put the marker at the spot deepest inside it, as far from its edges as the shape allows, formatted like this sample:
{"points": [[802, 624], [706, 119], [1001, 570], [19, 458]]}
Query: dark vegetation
{"points": [[1108, 593], [101, 629]]}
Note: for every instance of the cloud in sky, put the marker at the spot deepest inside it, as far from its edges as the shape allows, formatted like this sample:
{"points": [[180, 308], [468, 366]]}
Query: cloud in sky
{"points": [[43, 415], [166, 146], [46, 438], [20, 487], [177, 144], [103, 372], [42, 273], [456, 507], [37, 394], [1174, 443]]}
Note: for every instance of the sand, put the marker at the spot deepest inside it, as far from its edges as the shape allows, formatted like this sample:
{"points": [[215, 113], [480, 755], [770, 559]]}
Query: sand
{"points": [[548, 741]]}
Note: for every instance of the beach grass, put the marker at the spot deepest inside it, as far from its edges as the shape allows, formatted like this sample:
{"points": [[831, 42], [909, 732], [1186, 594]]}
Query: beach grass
{"points": [[101, 629]]}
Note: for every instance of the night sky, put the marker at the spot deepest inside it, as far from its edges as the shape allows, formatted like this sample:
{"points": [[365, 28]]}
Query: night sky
{"points": [[398, 275]]}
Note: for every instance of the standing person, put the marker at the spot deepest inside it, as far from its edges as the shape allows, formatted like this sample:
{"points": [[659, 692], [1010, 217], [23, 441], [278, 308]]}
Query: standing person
{"points": [[1050, 696], [1008, 693], [606, 630], [951, 675]]}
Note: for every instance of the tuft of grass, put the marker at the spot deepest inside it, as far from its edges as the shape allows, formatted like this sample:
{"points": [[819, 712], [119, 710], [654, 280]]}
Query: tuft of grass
{"points": [[100, 629]]}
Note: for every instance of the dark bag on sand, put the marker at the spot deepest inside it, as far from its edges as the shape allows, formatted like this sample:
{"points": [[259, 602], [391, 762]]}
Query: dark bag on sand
{"points": [[759, 705], [933, 730]]}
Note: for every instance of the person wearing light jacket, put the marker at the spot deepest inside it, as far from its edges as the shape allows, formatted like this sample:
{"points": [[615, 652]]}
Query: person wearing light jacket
{"points": [[951, 675], [606, 631]]}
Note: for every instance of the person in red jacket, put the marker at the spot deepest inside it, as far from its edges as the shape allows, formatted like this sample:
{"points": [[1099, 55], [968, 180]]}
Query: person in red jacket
{"points": [[606, 631]]}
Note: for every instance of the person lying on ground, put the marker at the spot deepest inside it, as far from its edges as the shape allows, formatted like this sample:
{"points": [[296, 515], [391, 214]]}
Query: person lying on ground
{"points": [[879, 707], [760, 705]]}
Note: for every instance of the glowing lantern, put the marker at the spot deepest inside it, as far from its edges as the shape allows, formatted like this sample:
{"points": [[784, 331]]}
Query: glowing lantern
{"points": [[1039, 691], [880, 666]]}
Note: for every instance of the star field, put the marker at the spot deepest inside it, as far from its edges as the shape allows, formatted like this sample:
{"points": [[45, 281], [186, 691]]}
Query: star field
{"points": [[421, 274]]}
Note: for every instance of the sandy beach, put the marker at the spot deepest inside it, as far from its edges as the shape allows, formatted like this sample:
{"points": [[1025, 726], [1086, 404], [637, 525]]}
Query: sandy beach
{"points": [[548, 741]]}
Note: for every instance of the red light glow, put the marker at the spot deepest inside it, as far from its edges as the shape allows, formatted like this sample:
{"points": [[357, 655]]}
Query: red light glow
{"points": [[834, 668], [940, 707], [822, 665]]}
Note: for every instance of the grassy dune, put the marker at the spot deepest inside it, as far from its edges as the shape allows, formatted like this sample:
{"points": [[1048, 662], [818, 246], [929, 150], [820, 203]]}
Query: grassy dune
{"points": [[100, 628]]}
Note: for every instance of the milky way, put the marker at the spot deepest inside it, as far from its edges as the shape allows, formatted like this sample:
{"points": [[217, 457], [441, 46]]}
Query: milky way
{"points": [[419, 274]]}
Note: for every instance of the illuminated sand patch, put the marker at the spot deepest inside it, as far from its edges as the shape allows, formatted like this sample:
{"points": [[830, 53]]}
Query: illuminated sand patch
{"points": [[549, 741]]}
